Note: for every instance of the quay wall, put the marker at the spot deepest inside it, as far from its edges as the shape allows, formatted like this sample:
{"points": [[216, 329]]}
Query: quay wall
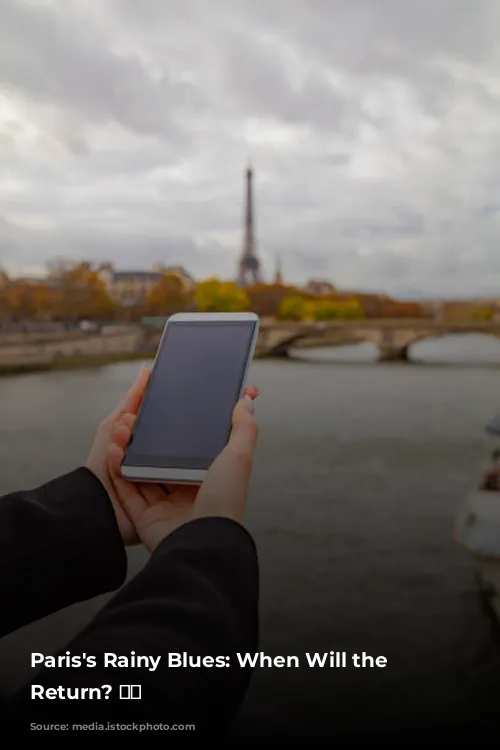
{"points": [[42, 349]]}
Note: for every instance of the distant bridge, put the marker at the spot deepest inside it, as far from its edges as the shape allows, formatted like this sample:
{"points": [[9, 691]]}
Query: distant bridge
{"points": [[393, 338]]}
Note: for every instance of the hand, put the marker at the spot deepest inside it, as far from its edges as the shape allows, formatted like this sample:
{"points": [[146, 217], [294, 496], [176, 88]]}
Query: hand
{"points": [[157, 510], [491, 480], [97, 461]]}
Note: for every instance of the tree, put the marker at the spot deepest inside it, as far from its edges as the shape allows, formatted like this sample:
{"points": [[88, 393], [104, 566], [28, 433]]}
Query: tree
{"points": [[58, 265], [168, 296], [25, 300], [5, 309], [4, 278], [337, 309], [482, 313], [395, 309], [219, 296], [79, 292], [265, 299], [294, 308]]}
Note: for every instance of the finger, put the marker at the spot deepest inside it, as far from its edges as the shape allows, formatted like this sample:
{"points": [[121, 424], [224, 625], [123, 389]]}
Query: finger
{"points": [[153, 493], [252, 391], [133, 398], [129, 494], [224, 491], [121, 436], [123, 430], [128, 420], [244, 430], [183, 493], [115, 458]]}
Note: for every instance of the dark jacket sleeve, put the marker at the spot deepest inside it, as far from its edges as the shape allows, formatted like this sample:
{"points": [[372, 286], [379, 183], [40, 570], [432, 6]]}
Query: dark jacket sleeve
{"points": [[59, 544], [197, 596]]}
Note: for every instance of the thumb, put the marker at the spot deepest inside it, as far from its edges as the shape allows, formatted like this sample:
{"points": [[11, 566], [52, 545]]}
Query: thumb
{"points": [[244, 430], [224, 491], [132, 400]]}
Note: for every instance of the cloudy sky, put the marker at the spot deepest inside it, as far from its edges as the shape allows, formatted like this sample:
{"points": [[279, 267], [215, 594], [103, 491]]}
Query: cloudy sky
{"points": [[373, 127]]}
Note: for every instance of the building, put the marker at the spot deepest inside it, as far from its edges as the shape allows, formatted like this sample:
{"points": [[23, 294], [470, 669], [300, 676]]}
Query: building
{"points": [[29, 280], [130, 288], [320, 288], [22, 281]]}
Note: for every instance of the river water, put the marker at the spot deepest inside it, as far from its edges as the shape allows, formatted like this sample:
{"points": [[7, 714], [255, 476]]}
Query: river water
{"points": [[359, 471]]}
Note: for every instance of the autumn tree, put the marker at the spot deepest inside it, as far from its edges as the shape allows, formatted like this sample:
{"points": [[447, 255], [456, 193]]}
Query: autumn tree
{"points": [[336, 309], [5, 311], [265, 299], [22, 300], [484, 313], [168, 296], [401, 309], [221, 296], [79, 292], [4, 279], [294, 308]]}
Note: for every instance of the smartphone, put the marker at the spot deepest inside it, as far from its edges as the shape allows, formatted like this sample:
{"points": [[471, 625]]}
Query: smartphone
{"points": [[198, 376]]}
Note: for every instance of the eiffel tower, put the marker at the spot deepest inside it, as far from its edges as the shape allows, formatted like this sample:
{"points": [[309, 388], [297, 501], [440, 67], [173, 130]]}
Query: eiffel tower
{"points": [[249, 269]]}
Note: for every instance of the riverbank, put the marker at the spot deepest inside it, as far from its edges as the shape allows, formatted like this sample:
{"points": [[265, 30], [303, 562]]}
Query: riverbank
{"points": [[73, 363], [84, 361]]}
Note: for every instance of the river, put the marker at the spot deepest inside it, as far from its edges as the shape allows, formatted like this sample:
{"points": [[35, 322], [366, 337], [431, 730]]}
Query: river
{"points": [[359, 471]]}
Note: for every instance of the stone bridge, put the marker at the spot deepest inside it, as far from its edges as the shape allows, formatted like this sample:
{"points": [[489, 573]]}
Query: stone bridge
{"points": [[393, 338]]}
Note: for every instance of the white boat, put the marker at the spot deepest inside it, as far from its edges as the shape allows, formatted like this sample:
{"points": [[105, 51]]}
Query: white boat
{"points": [[477, 528]]}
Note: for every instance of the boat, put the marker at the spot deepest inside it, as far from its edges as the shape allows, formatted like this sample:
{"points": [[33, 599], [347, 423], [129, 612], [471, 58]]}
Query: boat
{"points": [[477, 528]]}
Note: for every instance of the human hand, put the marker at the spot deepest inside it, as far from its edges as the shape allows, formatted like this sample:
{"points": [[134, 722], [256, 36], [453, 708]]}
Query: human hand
{"points": [[156, 510], [97, 461]]}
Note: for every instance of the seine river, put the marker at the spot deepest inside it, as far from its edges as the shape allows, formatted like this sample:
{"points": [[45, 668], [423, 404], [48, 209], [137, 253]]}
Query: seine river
{"points": [[359, 472]]}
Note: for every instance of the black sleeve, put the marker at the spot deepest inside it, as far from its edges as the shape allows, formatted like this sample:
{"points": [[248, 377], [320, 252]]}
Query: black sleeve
{"points": [[196, 597], [59, 544]]}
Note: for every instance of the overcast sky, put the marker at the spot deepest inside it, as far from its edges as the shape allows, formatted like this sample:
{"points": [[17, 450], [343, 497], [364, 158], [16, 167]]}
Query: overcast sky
{"points": [[373, 127]]}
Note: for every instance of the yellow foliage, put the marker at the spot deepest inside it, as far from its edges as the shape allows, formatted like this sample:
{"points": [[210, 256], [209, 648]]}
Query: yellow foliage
{"points": [[294, 308], [298, 308], [21, 300], [221, 296], [481, 313], [337, 309]]}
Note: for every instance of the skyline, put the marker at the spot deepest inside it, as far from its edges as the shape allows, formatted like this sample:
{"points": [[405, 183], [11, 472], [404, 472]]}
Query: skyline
{"points": [[371, 128]]}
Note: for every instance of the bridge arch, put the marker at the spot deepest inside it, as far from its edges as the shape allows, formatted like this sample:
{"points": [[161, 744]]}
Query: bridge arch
{"points": [[394, 340], [454, 347], [398, 345]]}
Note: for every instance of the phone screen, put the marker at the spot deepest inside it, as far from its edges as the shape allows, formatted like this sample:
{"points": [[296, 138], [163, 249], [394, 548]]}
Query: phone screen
{"points": [[185, 418]]}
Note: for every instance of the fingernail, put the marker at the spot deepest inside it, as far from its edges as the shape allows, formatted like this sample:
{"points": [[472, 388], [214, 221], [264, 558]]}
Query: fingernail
{"points": [[248, 404]]}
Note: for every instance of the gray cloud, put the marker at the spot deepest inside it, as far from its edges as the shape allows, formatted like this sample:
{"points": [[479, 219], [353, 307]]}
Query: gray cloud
{"points": [[372, 124], [54, 55]]}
